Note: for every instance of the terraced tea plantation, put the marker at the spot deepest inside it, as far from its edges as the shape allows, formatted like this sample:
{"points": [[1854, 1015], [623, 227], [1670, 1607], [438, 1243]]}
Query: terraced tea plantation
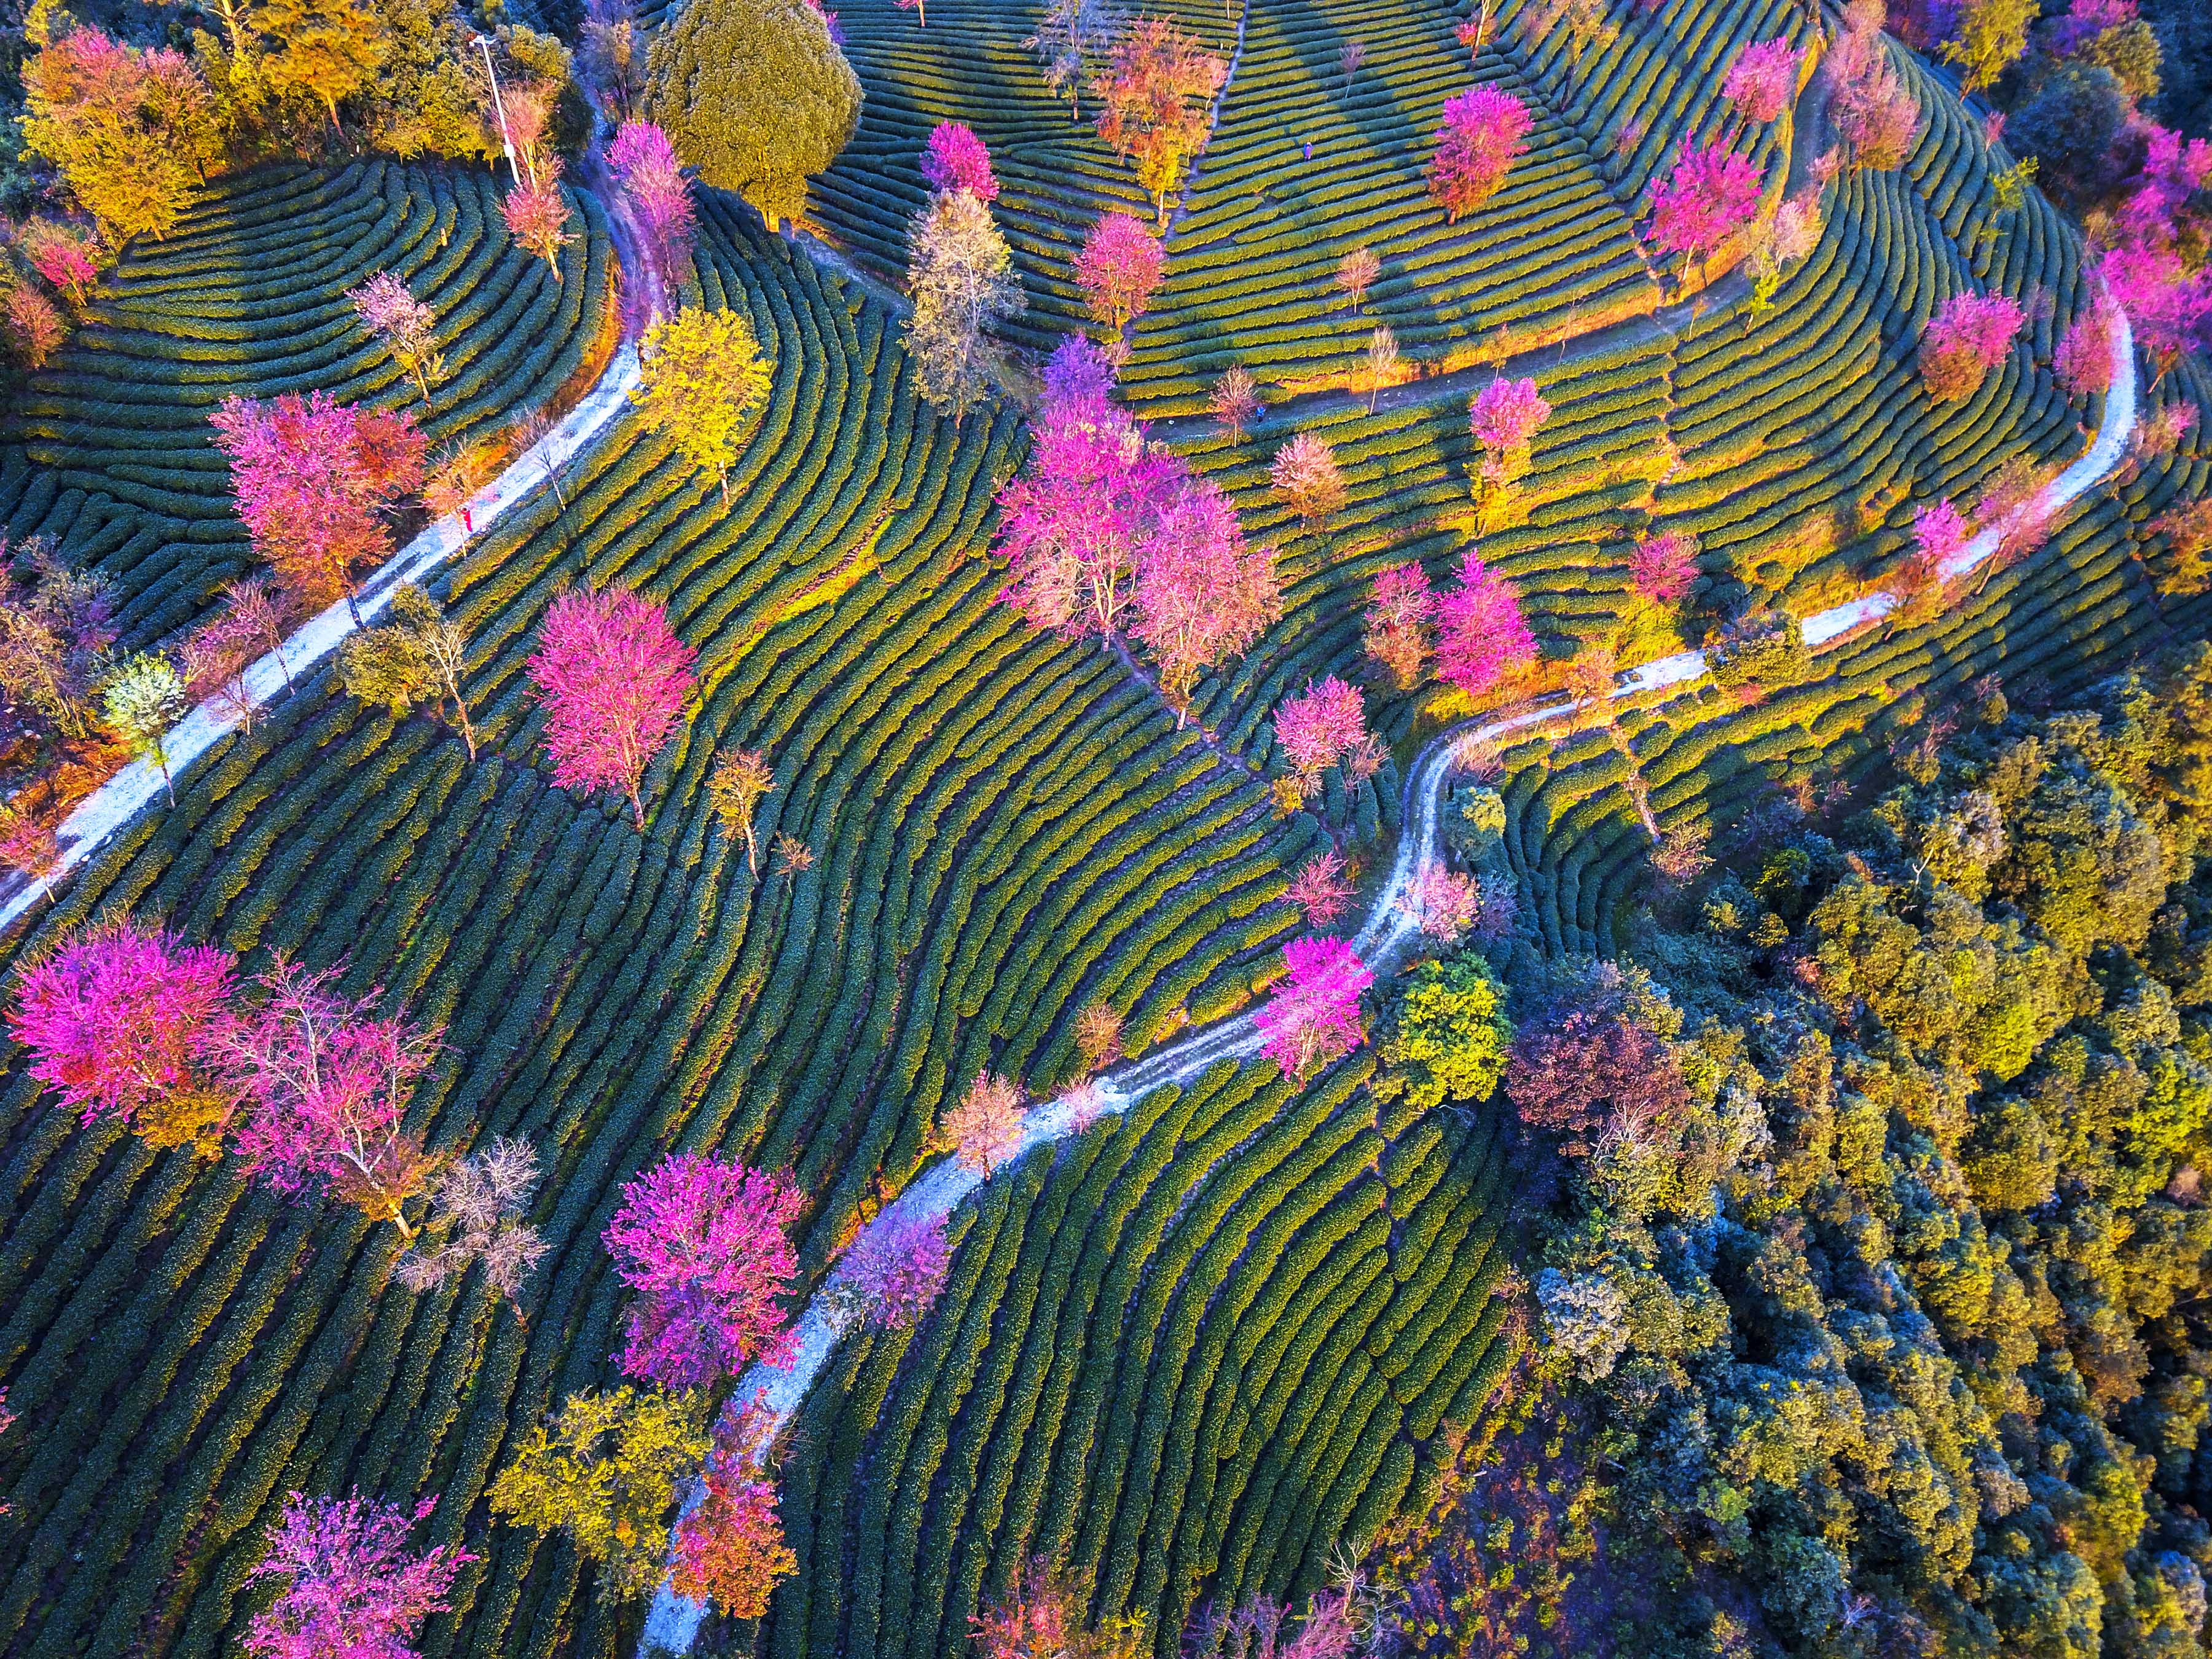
{"points": [[107, 449]]}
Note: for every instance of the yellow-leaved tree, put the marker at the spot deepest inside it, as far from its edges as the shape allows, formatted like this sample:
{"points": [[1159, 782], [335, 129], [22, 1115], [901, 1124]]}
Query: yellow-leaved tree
{"points": [[702, 375], [754, 94]]}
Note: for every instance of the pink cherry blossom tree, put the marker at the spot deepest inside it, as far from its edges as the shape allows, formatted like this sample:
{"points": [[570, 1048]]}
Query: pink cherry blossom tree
{"points": [[1711, 193], [325, 1080], [613, 678], [1119, 269], [2168, 304], [349, 1586], [1202, 594], [1664, 567], [68, 257], [1481, 636], [1504, 417], [704, 1242], [118, 1020], [731, 1550], [1763, 79], [983, 1127], [1308, 480], [1074, 525], [1441, 903], [643, 162], [1313, 1018], [955, 159], [1485, 129], [1319, 726], [893, 1273], [1319, 890], [1966, 338], [2083, 362], [313, 479], [1401, 614], [537, 216]]}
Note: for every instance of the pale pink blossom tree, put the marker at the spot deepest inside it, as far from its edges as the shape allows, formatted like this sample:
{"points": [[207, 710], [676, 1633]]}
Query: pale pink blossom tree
{"points": [[643, 162], [537, 216], [1308, 480], [66, 257], [1763, 79], [1441, 903], [1313, 1018], [1202, 594], [1401, 615], [1504, 417], [893, 1273], [1119, 269], [613, 678], [118, 1020], [325, 1080], [705, 1244], [955, 159], [389, 309], [983, 1127], [1711, 193], [1485, 129], [1481, 636], [1319, 889], [1234, 401], [1664, 567], [1967, 336], [349, 1586]]}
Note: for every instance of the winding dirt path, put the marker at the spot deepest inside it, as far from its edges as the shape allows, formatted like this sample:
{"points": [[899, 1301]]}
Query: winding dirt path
{"points": [[673, 1621]]}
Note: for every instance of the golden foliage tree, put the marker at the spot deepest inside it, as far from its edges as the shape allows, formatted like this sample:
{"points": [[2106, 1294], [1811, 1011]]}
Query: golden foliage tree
{"points": [[703, 374]]}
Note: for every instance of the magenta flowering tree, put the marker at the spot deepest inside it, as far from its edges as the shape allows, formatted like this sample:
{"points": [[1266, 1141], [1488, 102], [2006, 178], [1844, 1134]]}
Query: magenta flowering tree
{"points": [[1664, 567], [1965, 338], [1313, 1018], [1504, 417], [1401, 614], [1118, 269], [118, 1020], [1712, 194], [1078, 382], [895, 1270], [1485, 129], [2083, 360], [1481, 636], [643, 162], [612, 678], [2168, 304], [1940, 532], [704, 1242], [1763, 79], [349, 1586], [325, 1081], [1202, 594], [1074, 525], [955, 159], [1319, 726]]}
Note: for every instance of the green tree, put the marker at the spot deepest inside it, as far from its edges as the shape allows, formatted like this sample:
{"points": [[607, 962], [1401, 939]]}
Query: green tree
{"points": [[419, 658], [141, 700], [1446, 1039], [606, 1472], [754, 94], [702, 373]]}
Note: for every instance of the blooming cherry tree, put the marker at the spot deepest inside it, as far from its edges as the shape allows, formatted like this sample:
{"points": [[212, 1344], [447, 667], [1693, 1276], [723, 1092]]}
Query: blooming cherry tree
{"points": [[643, 162], [1313, 1018], [2083, 362], [1319, 726], [1503, 417], [955, 159], [704, 1242], [1664, 567], [1480, 634], [1762, 80], [326, 1080], [1319, 890], [1119, 269], [1234, 401], [1441, 903], [983, 1127], [1401, 613], [1308, 480], [731, 1550], [66, 257], [1201, 594], [349, 1585], [613, 678], [893, 1273], [1965, 338], [389, 309], [1711, 193], [1485, 129], [117, 1021]]}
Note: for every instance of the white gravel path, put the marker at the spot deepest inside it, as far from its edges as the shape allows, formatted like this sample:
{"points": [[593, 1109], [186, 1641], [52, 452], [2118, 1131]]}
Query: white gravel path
{"points": [[672, 1623], [138, 786]]}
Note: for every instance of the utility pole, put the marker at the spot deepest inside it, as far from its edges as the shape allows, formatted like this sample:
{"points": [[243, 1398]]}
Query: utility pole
{"points": [[499, 105]]}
